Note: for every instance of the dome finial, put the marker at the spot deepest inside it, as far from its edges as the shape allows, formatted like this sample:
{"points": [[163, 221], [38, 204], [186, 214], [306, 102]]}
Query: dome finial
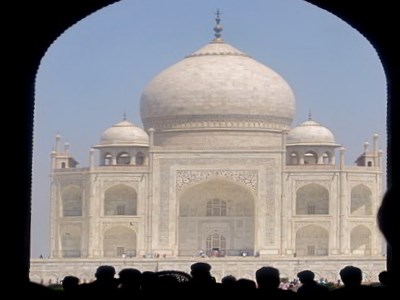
{"points": [[217, 27], [309, 115], [124, 116]]}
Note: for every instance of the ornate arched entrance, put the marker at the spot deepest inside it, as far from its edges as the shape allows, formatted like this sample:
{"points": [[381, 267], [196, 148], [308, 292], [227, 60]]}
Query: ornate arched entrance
{"points": [[216, 217]]}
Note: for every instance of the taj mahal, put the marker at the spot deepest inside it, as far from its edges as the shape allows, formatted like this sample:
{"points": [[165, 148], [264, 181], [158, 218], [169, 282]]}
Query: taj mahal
{"points": [[218, 173]]}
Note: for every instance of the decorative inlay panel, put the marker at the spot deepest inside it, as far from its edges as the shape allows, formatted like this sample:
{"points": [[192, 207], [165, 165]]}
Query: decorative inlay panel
{"points": [[188, 177]]}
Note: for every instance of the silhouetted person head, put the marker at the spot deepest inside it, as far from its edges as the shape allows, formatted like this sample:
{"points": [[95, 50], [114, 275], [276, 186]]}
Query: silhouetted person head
{"points": [[246, 284], [104, 285], [386, 278], [268, 277], [105, 273], [201, 274], [130, 278], [70, 283], [228, 281], [200, 269], [306, 276], [351, 276], [309, 288]]}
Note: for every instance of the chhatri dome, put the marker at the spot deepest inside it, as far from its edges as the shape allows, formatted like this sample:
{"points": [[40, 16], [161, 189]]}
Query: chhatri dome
{"points": [[124, 134], [311, 133], [217, 86]]}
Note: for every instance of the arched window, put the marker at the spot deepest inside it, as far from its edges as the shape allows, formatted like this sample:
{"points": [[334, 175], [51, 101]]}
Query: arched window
{"points": [[123, 159], [326, 158], [310, 158], [216, 244], [120, 200], [361, 203], [216, 207], [71, 198], [312, 240], [294, 158], [70, 241], [107, 159], [360, 241], [139, 160], [119, 241], [312, 199]]}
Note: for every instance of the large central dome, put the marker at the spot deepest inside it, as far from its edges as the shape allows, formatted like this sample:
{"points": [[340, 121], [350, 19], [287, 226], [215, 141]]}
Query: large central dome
{"points": [[217, 86]]}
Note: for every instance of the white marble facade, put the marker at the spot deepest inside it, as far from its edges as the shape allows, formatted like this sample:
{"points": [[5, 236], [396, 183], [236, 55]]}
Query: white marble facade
{"points": [[234, 200], [217, 168]]}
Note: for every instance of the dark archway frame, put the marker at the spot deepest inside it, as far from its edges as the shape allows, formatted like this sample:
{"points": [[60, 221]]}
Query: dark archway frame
{"points": [[32, 26]]}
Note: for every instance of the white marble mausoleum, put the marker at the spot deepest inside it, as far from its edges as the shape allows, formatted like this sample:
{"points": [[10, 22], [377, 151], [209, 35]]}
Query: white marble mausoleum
{"points": [[217, 168]]}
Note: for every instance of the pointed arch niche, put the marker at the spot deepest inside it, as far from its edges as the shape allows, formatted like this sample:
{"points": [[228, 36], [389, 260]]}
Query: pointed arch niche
{"points": [[361, 203], [118, 241], [312, 240], [120, 200], [312, 199], [360, 240], [71, 201]]}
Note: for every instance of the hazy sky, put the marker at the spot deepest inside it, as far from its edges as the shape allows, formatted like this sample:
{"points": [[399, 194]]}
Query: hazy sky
{"points": [[96, 70]]}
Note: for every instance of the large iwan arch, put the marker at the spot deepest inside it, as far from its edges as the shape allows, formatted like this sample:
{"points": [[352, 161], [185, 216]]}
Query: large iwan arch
{"points": [[216, 217]]}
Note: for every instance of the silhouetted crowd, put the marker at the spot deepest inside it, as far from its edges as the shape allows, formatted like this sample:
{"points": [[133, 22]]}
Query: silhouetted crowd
{"points": [[134, 284]]}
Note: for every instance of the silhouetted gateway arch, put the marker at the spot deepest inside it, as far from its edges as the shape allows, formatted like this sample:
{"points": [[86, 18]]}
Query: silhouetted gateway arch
{"points": [[46, 30]]}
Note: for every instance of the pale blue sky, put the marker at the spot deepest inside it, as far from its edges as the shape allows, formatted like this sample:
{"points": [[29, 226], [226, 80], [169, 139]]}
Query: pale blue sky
{"points": [[95, 72]]}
